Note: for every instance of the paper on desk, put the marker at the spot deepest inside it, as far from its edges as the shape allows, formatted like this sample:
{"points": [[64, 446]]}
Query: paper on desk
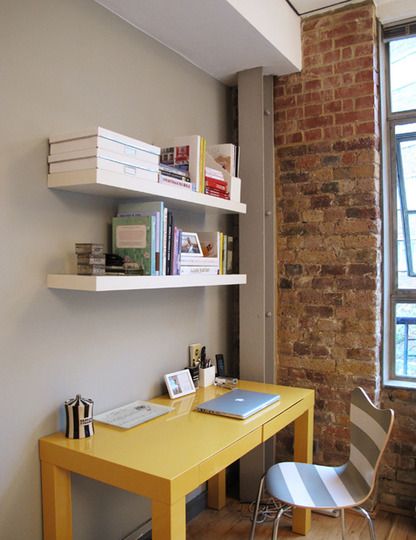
{"points": [[132, 414]]}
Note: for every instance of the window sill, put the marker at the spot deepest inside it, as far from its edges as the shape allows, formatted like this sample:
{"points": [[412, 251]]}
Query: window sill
{"points": [[409, 385]]}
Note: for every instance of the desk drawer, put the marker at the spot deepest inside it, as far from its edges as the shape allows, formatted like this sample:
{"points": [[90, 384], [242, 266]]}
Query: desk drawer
{"points": [[221, 460], [282, 420]]}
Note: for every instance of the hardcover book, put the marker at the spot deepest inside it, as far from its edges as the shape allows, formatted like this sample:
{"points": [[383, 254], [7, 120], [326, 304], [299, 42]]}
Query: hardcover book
{"points": [[226, 156], [143, 208], [88, 138], [133, 239]]}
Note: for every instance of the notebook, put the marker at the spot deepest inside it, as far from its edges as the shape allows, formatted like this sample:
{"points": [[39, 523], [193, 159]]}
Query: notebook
{"points": [[238, 403]]}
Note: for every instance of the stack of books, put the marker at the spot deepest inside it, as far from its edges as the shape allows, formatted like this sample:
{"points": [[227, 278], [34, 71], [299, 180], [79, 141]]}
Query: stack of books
{"points": [[90, 259], [215, 255], [104, 150], [215, 183]]}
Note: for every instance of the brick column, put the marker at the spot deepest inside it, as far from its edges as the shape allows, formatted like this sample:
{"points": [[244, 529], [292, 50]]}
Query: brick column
{"points": [[328, 220]]}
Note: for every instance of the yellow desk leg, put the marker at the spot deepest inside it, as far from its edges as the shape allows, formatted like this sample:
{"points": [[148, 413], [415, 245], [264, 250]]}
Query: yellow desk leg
{"points": [[56, 503], [216, 491], [303, 450], [169, 521]]}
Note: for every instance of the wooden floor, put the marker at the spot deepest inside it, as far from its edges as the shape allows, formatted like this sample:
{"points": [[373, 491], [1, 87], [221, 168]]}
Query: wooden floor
{"points": [[233, 523]]}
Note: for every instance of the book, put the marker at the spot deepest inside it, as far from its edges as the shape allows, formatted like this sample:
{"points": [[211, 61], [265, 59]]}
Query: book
{"points": [[155, 208], [209, 242], [99, 137], [215, 192], [174, 172], [225, 155], [91, 259], [210, 270], [142, 172], [230, 255], [200, 261], [170, 180], [190, 153], [89, 248], [220, 185], [176, 257], [210, 172], [133, 239], [143, 159], [91, 269], [169, 232]]}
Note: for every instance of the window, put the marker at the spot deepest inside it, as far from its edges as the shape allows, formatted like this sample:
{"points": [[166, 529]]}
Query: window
{"points": [[400, 207]]}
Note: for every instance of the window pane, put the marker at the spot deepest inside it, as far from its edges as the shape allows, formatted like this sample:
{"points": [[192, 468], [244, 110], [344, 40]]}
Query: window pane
{"points": [[406, 205], [402, 74], [405, 350]]}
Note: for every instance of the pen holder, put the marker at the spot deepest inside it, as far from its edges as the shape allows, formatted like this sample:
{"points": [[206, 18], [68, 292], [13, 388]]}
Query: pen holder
{"points": [[206, 376]]}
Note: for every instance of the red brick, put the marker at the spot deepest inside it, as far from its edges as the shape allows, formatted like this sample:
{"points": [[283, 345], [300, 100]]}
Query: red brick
{"points": [[313, 135]]}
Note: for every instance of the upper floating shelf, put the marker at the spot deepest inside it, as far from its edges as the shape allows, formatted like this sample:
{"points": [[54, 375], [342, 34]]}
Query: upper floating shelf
{"points": [[111, 184]]}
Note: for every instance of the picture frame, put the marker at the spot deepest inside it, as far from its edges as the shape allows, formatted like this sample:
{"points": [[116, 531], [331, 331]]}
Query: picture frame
{"points": [[190, 245], [179, 383]]}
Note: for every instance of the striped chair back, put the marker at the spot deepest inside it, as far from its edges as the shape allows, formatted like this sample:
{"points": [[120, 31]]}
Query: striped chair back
{"points": [[370, 431]]}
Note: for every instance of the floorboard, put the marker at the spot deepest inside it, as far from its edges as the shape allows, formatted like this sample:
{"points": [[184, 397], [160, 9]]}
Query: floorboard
{"points": [[233, 523]]}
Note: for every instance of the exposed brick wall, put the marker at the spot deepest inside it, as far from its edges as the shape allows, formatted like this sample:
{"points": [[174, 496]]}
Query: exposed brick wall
{"points": [[329, 237]]}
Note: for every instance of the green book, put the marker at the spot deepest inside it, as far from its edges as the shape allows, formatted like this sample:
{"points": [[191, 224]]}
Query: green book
{"points": [[134, 238]]}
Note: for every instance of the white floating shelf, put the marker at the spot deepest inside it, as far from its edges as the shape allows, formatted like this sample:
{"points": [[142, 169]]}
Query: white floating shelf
{"points": [[111, 184], [128, 283]]}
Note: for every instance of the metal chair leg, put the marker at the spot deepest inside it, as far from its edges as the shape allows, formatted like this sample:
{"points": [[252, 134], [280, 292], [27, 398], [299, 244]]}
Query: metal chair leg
{"points": [[276, 522], [364, 512], [343, 523], [256, 508]]}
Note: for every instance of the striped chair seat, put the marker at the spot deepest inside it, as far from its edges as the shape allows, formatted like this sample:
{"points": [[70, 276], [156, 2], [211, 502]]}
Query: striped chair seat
{"points": [[347, 486], [316, 486]]}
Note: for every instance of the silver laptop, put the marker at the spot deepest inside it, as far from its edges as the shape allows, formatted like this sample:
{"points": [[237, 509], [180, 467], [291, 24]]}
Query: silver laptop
{"points": [[238, 403]]}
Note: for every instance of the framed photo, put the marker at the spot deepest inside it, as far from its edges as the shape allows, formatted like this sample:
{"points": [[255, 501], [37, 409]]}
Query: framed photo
{"points": [[190, 245], [179, 383]]}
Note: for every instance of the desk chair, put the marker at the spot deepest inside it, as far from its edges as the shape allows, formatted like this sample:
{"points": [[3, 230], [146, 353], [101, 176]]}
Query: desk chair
{"points": [[319, 487]]}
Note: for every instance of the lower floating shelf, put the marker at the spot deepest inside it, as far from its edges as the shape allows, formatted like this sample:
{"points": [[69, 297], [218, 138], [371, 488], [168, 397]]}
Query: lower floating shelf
{"points": [[130, 283]]}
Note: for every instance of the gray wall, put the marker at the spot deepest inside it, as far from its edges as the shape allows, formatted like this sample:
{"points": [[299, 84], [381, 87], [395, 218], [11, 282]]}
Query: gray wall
{"points": [[66, 65]]}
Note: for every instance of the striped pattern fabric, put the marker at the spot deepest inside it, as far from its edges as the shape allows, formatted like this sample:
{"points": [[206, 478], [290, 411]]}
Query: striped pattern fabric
{"points": [[317, 486]]}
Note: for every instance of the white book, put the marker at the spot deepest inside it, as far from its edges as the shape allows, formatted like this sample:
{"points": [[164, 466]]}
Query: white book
{"points": [[68, 157], [82, 140], [101, 147], [163, 179], [224, 155], [196, 158], [210, 270], [200, 261], [104, 164]]}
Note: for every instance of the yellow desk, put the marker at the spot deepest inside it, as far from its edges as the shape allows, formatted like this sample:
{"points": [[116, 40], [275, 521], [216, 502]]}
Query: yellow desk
{"points": [[168, 457]]}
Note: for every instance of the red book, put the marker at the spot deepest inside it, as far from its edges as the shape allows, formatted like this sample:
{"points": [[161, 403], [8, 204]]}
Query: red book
{"points": [[217, 193], [216, 184]]}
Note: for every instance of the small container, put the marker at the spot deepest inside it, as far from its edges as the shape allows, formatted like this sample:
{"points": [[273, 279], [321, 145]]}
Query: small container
{"points": [[79, 418], [206, 376]]}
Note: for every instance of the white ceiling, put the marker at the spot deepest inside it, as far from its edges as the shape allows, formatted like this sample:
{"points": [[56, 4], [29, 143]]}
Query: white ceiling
{"points": [[223, 37]]}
